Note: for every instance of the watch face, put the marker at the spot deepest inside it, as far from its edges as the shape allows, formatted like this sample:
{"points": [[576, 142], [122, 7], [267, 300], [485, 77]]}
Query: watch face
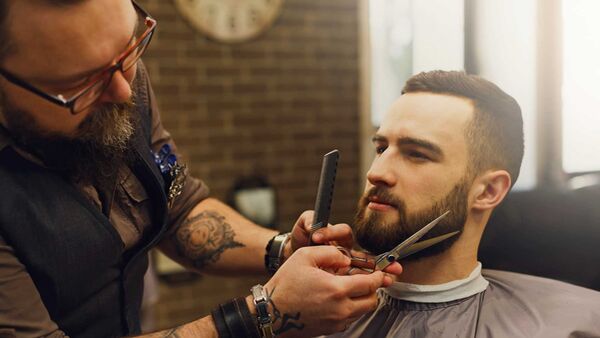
{"points": [[230, 20]]}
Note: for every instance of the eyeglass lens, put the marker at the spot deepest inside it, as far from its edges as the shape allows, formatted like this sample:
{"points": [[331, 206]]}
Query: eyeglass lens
{"points": [[94, 92]]}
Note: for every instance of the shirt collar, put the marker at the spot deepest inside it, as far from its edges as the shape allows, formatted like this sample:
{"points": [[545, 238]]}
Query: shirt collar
{"points": [[457, 289]]}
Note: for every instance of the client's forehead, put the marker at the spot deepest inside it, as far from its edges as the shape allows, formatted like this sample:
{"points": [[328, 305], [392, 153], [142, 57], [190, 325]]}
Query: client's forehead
{"points": [[437, 118]]}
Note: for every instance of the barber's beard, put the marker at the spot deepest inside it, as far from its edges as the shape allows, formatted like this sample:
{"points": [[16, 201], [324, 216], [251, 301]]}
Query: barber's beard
{"points": [[100, 143], [377, 236]]}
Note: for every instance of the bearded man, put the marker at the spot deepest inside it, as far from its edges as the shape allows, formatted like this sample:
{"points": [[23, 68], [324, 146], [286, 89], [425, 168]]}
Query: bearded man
{"points": [[90, 182], [454, 142]]}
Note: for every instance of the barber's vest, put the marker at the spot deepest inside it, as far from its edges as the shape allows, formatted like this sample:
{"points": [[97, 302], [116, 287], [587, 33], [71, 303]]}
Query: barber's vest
{"points": [[89, 284]]}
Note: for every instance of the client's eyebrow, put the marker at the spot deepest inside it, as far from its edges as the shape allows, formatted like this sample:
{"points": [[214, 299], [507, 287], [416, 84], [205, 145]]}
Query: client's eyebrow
{"points": [[411, 141], [379, 139]]}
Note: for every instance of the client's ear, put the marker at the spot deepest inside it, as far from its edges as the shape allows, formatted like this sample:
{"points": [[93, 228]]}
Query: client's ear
{"points": [[489, 189]]}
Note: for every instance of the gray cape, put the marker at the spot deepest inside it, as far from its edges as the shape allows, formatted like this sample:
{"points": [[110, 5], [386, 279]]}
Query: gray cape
{"points": [[512, 305]]}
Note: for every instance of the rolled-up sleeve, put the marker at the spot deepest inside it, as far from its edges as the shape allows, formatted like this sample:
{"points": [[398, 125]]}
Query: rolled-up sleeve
{"points": [[194, 190]]}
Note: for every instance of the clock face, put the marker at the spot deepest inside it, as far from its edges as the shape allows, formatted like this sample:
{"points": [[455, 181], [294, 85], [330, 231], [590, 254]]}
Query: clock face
{"points": [[230, 20]]}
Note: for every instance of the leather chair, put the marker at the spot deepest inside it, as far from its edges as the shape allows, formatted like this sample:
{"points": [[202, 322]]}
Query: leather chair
{"points": [[547, 233]]}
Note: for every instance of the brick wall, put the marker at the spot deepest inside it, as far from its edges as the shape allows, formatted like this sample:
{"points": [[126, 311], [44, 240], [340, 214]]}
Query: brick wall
{"points": [[273, 106]]}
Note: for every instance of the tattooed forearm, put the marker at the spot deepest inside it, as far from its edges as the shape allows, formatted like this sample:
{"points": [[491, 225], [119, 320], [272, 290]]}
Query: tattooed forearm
{"points": [[204, 237], [285, 322]]}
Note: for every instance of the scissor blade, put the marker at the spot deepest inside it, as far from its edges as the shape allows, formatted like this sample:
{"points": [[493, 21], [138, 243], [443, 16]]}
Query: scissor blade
{"points": [[389, 257], [424, 245], [417, 235]]}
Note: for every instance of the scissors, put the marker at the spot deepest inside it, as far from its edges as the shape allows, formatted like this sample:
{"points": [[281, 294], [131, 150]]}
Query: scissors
{"points": [[402, 250], [382, 261]]}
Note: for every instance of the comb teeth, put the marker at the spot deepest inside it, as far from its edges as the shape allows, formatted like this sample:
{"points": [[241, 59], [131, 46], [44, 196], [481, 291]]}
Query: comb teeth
{"points": [[316, 227]]}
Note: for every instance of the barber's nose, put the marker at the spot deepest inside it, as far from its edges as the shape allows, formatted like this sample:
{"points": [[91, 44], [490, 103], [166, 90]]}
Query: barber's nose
{"points": [[119, 89], [381, 172]]}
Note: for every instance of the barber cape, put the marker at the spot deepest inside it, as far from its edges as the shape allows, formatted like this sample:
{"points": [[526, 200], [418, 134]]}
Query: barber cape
{"points": [[492, 304]]}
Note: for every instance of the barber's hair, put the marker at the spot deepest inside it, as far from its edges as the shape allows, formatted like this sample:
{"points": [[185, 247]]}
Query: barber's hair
{"points": [[495, 134], [5, 44]]}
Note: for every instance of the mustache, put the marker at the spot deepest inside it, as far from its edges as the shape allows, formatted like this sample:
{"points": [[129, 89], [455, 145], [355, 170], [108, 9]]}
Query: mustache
{"points": [[381, 194]]}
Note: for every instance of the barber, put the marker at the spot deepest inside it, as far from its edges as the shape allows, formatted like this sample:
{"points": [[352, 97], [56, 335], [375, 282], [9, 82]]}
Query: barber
{"points": [[91, 181]]}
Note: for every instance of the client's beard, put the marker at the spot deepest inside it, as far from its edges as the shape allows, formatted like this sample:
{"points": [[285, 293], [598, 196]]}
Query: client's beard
{"points": [[376, 236], [92, 155]]}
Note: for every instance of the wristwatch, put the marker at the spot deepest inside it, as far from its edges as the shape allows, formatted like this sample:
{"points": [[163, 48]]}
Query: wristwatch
{"points": [[261, 301], [274, 254]]}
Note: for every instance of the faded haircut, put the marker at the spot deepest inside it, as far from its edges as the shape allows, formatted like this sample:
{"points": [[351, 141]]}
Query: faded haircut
{"points": [[495, 134]]}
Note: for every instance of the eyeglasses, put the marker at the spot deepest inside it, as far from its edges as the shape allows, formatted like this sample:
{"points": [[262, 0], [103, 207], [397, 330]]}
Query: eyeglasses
{"points": [[98, 83]]}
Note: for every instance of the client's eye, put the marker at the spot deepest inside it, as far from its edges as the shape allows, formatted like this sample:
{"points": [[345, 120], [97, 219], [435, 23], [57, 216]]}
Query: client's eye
{"points": [[380, 149], [418, 155]]}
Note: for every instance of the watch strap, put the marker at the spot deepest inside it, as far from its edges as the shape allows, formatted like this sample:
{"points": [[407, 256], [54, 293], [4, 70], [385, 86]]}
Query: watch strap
{"points": [[274, 252]]}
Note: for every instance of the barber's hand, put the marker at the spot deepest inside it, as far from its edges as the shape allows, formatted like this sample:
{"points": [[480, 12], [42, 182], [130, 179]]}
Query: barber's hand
{"points": [[337, 234], [340, 234], [309, 301]]}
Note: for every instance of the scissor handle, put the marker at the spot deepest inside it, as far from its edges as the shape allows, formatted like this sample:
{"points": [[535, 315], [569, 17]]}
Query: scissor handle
{"points": [[364, 264], [384, 260]]}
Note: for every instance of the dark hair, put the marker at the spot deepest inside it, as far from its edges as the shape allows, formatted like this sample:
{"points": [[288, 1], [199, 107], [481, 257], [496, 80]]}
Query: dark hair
{"points": [[495, 134]]}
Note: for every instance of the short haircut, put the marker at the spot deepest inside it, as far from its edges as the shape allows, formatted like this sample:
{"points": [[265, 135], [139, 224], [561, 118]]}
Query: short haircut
{"points": [[495, 134]]}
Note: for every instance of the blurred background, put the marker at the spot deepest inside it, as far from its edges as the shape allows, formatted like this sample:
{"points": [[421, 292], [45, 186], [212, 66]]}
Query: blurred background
{"points": [[256, 91]]}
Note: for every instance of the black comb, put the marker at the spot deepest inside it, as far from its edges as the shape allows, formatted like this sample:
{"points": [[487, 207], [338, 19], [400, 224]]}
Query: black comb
{"points": [[325, 191]]}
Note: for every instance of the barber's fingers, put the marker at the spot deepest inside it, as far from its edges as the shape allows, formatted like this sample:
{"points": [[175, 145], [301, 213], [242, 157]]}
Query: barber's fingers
{"points": [[325, 256], [340, 233], [305, 220], [369, 263], [363, 285], [301, 230], [394, 269]]}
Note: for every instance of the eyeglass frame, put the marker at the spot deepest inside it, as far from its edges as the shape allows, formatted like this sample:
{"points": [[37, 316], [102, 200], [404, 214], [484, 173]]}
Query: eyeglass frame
{"points": [[103, 75]]}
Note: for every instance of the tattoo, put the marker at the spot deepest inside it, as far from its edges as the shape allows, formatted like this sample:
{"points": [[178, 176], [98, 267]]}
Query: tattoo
{"points": [[204, 237], [287, 319]]}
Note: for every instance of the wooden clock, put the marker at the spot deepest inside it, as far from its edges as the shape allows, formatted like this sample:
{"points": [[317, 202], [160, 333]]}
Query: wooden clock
{"points": [[230, 21]]}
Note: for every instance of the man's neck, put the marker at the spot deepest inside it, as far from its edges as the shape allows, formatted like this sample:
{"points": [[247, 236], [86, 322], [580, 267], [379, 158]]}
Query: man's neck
{"points": [[436, 270], [454, 264]]}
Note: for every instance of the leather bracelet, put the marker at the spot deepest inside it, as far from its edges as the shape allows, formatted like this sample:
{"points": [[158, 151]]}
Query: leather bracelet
{"points": [[235, 326], [274, 251], [220, 325], [233, 319], [249, 321]]}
